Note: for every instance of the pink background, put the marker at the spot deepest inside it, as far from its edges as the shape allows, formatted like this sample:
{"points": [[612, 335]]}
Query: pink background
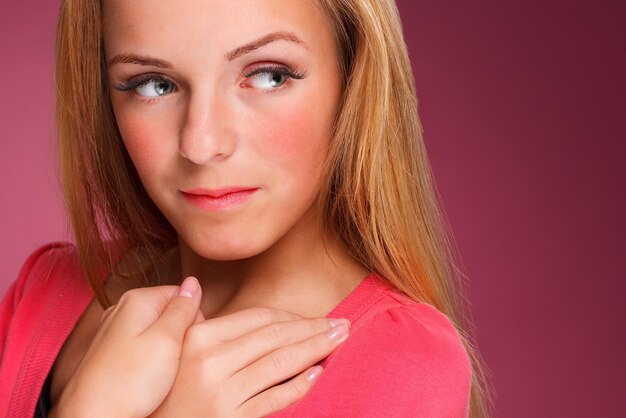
{"points": [[523, 106]]}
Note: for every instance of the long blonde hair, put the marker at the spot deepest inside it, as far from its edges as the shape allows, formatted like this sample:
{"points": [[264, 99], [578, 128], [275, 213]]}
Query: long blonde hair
{"points": [[378, 194]]}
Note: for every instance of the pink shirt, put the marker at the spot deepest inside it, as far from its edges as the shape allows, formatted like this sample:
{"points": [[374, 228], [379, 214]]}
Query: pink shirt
{"points": [[402, 359]]}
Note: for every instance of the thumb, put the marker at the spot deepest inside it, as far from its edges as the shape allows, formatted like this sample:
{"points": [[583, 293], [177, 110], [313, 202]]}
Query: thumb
{"points": [[199, 317], [181, 311]]}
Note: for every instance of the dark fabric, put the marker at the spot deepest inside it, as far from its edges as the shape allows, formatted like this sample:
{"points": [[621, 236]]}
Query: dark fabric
{"points": [[43, 403]]}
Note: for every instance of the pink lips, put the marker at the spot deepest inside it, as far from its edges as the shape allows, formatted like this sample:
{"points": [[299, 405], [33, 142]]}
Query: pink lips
{"points": [[218, 199]]}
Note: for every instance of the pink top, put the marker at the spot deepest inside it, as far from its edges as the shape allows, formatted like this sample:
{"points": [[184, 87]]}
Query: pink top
{"points": [[402, 358]]}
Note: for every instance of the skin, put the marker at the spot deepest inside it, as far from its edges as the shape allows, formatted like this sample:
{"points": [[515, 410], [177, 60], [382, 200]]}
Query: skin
{"points": [[219, 128], [206, 122]]}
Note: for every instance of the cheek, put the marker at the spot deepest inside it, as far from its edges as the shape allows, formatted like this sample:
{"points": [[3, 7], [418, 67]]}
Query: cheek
{"points": [[295, 140], [144, 139]]}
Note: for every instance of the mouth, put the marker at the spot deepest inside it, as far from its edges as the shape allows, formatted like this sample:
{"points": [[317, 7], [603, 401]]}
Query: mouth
{"points": [[219, 199]]}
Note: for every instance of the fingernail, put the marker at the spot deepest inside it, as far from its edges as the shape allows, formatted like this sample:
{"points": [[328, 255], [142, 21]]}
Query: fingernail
{"points": [[339, 321], [313, 373], [338, 333], [189, 287]]}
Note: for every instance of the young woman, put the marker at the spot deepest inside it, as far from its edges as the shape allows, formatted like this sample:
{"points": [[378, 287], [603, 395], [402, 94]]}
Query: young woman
{"points": [[269, 153]]}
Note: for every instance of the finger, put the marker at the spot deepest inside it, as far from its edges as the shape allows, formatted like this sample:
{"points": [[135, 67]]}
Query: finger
{"points": [[181, 311], [142, 307], [107, 313], [279, 397], [255, 345], [287, 361], [199, 317], [231, 326]]}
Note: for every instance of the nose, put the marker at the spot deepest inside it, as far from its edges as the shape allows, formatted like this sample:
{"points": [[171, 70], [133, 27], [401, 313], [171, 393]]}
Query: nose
{"points": [[206, 134]]}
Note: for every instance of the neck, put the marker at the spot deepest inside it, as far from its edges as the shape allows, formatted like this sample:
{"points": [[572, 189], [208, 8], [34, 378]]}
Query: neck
{"points": [[302, 275]]}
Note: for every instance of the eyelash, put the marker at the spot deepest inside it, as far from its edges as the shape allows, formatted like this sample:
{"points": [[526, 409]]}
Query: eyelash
{"points": [[296, 74], [139, 81]]}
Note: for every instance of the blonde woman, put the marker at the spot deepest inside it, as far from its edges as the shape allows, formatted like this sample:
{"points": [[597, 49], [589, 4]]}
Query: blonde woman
{"points": [[254, 215]]}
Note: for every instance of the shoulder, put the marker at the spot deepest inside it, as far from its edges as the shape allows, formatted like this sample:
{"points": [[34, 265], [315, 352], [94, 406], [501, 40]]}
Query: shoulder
{"points": [[402, 359], [36, 315], [42, 269], [415, 349], [48, 275], [393, 323], [416, 329]]}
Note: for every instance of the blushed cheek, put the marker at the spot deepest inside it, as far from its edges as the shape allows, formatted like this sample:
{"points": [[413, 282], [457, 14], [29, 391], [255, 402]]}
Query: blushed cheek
{"points": [[140, 137], [296, 139]]}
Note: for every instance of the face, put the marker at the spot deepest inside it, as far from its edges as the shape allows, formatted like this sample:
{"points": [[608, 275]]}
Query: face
{"points": [[226, 109]]}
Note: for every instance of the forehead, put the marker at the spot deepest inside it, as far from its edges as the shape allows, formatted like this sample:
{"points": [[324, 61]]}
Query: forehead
{"points": [[209, 25]]}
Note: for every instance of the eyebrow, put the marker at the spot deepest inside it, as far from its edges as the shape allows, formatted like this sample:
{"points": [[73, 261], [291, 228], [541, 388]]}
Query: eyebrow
{"points": [[230, 56], [264, 40], [137, 59]]}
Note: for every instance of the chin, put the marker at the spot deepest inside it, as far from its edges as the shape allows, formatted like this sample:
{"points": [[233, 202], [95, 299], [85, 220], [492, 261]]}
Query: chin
{"points": [[227, 249], [227, 255]]}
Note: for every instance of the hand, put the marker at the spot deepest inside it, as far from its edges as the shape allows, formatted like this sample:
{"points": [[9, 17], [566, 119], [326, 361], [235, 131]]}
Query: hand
{"points": [[231, 366], [133, 360]]}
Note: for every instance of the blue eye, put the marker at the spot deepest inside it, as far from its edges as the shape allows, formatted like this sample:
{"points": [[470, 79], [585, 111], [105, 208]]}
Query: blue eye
{"points": [[268, 81], [272, 77], [155, 87], [149, 86]]}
